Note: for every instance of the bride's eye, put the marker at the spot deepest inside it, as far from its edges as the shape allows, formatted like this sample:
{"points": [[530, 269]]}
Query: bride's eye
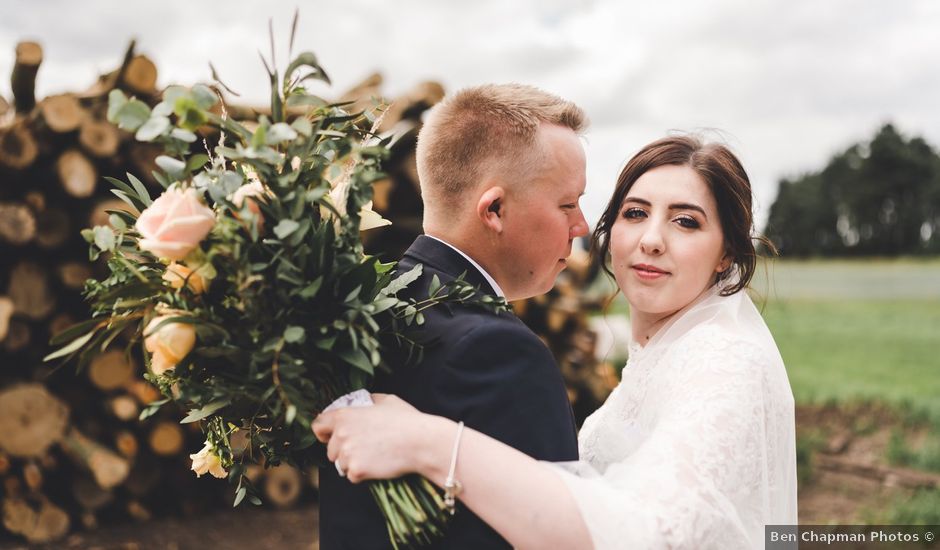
{"points": [[688, 222], [633, 213]]}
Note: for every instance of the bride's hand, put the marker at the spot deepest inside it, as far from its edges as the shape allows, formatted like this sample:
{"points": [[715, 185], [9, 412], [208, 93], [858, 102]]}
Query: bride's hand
{"points": [[377, 442]]}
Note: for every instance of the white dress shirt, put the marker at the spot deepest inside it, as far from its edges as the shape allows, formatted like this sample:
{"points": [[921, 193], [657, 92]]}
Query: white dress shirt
{"points": [[489, 279]]}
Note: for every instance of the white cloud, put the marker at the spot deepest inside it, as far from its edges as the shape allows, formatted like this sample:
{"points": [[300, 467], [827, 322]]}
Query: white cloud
{"points": [[788, 83]]}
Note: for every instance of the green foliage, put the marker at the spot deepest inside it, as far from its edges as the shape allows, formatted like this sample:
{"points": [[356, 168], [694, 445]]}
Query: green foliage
{"points": [[876, 198]]}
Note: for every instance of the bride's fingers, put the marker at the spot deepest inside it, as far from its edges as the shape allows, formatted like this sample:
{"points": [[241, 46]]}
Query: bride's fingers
{"points": [[323, 425], [378, 398]]}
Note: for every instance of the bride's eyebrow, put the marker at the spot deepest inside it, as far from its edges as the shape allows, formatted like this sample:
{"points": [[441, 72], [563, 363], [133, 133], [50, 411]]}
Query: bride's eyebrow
{"points": [[674, 206]]}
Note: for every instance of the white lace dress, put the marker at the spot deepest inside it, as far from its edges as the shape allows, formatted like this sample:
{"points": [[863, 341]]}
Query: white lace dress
{"points": [[696, 446]]}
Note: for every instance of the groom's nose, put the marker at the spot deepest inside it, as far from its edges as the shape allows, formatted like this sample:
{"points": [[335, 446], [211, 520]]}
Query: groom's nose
{"points": [[580, 227]]}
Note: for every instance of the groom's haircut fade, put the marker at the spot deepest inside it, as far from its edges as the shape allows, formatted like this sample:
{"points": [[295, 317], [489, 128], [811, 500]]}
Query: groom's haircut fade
{"points": [[729, 184], [485, 128]]}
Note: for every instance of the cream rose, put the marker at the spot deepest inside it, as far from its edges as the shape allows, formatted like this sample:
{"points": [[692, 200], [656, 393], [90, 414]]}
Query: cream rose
{"points": [[368, 218], [254, 189], [174, 224], [178, 274], [206, 461], [169, 344]]}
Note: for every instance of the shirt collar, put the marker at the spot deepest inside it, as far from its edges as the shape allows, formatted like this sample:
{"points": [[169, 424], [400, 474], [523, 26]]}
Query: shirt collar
{"points": [[489, 279]]}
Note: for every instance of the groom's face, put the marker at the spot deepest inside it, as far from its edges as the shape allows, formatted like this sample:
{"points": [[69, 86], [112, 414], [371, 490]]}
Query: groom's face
{"points": [[543, 215]]}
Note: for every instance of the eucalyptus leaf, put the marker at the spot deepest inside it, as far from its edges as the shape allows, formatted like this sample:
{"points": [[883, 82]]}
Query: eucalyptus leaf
{"points": [[294, 334], [183, 135], [104, 237], [199, 414], [285, 227], [175, 168], [279, 133], [132, 115], [153, 128], [116, 101]]}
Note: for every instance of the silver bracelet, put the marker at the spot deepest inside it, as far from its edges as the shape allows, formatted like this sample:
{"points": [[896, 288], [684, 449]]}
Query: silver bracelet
{"points": [[452, 487]]}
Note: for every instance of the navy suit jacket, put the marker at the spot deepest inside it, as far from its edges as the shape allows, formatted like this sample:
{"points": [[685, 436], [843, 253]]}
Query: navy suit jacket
{"points": [[488, 370]]}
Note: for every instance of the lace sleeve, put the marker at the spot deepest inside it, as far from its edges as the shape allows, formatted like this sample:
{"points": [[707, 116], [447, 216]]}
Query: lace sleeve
{"points": [[704, 475]]}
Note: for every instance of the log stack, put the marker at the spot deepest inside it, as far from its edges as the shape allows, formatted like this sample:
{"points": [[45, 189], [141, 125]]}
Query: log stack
{"points": [[73, 454]]}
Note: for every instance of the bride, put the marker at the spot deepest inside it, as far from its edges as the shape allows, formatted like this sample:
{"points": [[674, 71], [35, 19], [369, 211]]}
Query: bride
{"points": [[694, 448]]}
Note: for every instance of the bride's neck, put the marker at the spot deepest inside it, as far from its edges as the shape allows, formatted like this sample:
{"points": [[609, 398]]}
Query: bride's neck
{"points": [[645, 325]]}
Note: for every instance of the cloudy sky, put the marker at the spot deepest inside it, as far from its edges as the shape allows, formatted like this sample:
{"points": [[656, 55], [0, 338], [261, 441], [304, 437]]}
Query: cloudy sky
{"points": [[785, 83]]}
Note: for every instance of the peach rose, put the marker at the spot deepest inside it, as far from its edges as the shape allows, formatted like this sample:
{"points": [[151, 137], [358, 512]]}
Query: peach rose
{"points": [[178, 274], [169, 344], [206, 461], [254, 189], [175, 224]]}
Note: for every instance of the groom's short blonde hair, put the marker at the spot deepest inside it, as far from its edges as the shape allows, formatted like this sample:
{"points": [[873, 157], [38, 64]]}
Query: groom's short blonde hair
{"points": [[483, 129]]}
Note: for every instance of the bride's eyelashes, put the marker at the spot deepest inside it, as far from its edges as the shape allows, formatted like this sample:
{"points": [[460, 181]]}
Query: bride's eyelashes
{"points": [[685, 221], [634, 213]]}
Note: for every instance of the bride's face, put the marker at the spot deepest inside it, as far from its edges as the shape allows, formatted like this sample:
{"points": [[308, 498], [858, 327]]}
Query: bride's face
{"points": [[667, 244]]}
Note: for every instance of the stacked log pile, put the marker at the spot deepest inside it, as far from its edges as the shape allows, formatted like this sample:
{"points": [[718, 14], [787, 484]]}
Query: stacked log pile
{"points": [[73, 452]]}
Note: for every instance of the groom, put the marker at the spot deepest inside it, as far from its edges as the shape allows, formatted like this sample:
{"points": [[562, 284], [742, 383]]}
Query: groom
{"points": [[501, 170]]}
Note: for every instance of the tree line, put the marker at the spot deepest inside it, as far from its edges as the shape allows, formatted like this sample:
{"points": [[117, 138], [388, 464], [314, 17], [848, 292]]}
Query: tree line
{"points": [[879, 197]]}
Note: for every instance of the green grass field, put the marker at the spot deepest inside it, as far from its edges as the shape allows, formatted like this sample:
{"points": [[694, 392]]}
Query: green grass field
{"points": [[855, 329], [886, 350]]}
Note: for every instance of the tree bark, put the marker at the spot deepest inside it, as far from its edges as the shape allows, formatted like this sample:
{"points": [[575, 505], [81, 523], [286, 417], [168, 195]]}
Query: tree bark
{"points": [[23, 79], [31, 420], [108, 469]]}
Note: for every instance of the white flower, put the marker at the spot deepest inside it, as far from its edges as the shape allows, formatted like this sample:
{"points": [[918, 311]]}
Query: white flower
{"points": [[207, 461], [368, 218]]}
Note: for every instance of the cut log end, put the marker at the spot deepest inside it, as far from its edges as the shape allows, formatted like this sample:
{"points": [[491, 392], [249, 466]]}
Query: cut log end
{"points": [[166, 439], [99, 137], [77, 174], [111, 370], [141, 75], [6, 311], [31, 420], [29, 290], [62, 113], [29, 53], [282, 485], [18, 148], [17, 224]]}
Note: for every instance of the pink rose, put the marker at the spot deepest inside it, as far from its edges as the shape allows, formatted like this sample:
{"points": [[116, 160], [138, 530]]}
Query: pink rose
{"points": [[174, 224]]}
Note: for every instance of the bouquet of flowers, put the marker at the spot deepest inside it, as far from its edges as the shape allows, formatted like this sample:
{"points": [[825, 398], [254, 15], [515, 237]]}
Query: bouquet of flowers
{"points": [[246, 284]]}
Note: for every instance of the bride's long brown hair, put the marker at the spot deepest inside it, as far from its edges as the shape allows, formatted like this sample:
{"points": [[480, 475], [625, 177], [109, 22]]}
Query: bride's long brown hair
{"points": [[725, 176]]}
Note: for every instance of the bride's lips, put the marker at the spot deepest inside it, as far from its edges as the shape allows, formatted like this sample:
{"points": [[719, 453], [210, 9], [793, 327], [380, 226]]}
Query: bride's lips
{"points": [[648, 272]]}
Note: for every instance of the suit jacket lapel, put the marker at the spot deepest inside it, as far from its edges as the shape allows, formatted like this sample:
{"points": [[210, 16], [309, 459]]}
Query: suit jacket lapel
{"points": [[438, 255]]}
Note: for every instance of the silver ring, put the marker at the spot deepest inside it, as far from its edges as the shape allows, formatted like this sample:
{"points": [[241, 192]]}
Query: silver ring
{"points": [[339, 469]]}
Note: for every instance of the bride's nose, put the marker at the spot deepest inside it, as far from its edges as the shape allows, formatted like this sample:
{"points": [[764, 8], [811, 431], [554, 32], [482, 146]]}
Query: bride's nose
{"points": [[651, 242]]}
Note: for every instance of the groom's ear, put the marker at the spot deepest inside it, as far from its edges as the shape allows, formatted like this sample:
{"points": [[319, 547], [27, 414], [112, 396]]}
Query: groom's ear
{"points": [[490, 208]]}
